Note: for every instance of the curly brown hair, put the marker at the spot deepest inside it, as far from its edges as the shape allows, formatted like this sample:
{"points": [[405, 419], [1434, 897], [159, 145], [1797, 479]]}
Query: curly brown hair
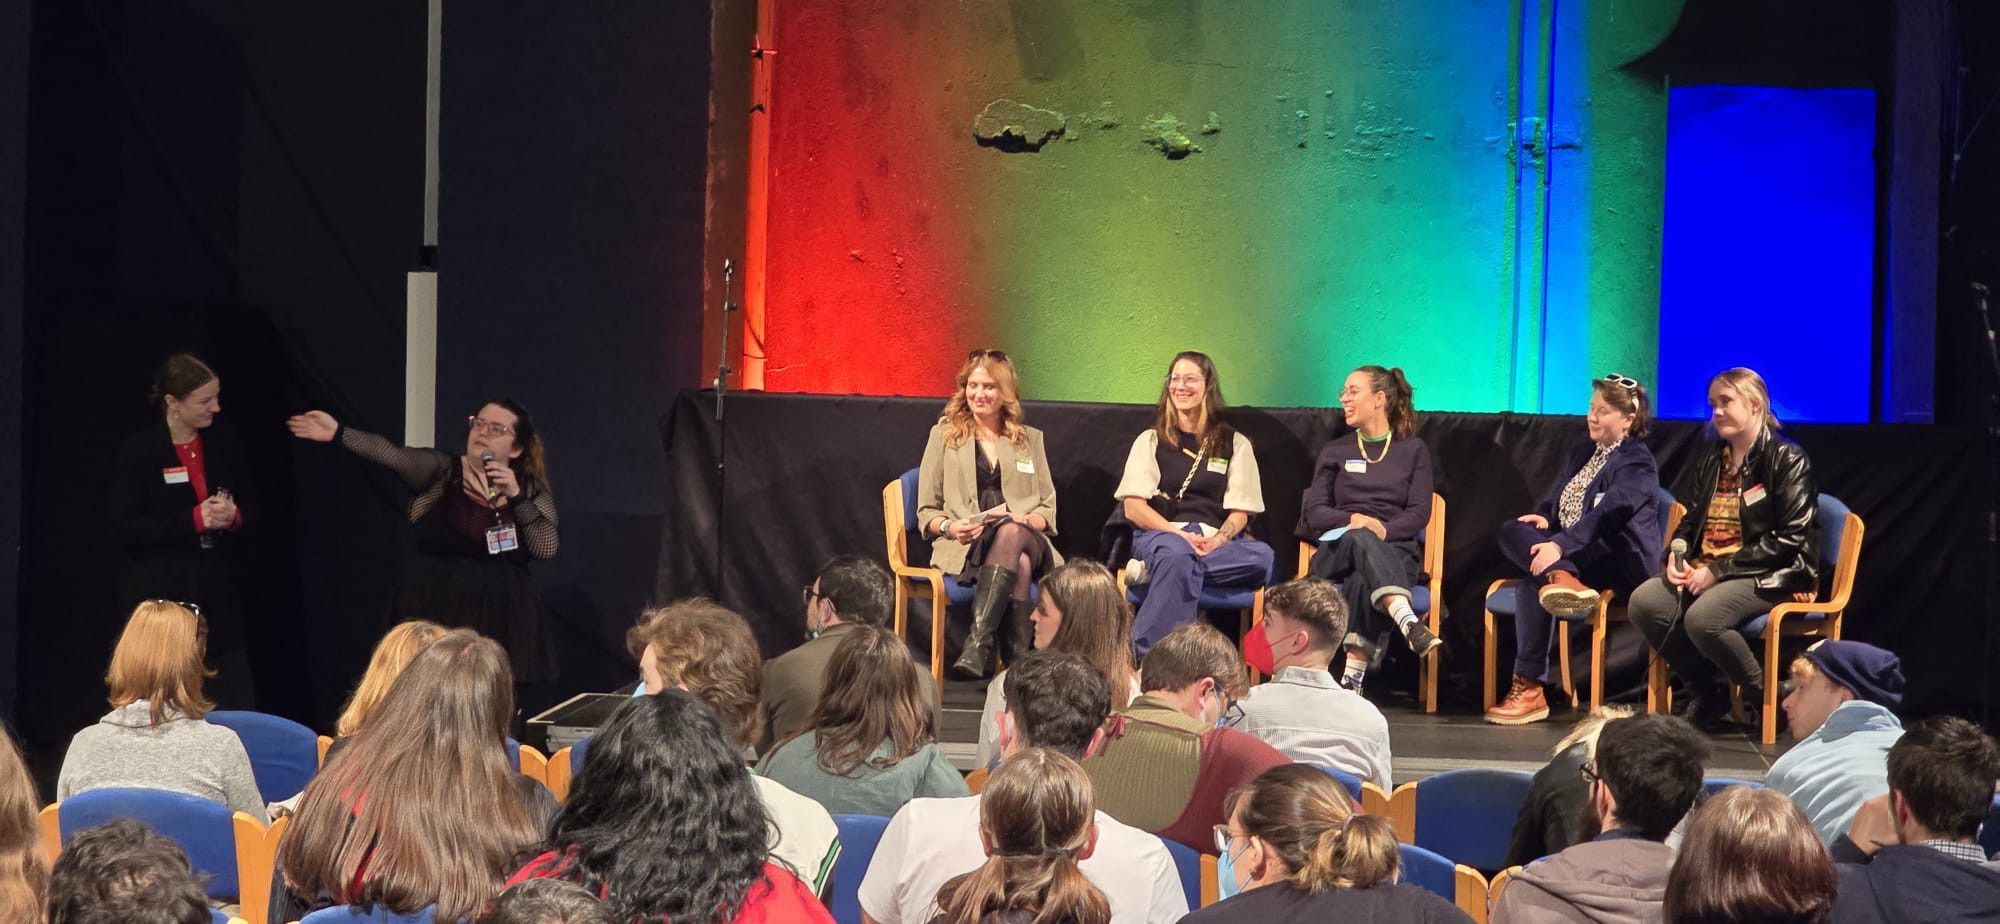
{"points": [[707, 648]]}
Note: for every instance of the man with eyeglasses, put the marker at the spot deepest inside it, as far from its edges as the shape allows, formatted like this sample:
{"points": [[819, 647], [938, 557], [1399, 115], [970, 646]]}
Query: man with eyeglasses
{"points": [[848, 591], [1170, 757], [1644, 778]]}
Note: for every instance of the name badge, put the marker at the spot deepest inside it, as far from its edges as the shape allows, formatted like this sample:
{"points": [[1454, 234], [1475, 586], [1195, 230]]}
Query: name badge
{"points": [[1357, 466], [1219, 466], [176, 475], [1754, 495], [502, 539], [1024, 466]]}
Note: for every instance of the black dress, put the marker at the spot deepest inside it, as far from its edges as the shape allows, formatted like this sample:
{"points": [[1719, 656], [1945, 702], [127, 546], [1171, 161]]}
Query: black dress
{"points": [[161, 554], [452, 580], [991, 496]]}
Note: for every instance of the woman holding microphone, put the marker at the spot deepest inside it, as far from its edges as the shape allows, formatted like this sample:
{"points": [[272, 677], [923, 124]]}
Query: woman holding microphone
{"points": [[480, 518], [176, 518]]}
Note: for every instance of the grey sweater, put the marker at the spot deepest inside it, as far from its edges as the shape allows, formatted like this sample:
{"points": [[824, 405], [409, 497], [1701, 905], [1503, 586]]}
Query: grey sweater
{"points": [[124, 749]]}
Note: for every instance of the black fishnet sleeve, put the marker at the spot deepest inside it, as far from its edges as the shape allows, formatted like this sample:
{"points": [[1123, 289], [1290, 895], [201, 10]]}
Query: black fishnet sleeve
{"points": [[419, 468], [535, 514]]}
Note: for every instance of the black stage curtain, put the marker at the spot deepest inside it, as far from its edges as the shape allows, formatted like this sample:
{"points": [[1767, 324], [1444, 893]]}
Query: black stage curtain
{"points": [[804, 475]]}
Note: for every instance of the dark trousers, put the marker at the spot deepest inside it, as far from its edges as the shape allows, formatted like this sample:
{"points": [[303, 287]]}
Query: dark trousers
{"points": [[1705, 634], [1368, 569], [1533, 626]]}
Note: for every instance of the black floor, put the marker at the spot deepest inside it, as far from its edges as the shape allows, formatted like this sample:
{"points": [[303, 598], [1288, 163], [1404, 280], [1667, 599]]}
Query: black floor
{"points": [[1422, 744]]}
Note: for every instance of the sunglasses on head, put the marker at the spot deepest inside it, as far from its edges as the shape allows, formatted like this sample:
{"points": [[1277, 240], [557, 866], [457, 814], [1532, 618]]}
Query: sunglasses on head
{"points": [[999, 356], [1623, 381]]}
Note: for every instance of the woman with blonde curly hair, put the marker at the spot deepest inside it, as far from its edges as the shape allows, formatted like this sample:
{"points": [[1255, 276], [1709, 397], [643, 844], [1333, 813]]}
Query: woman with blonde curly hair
{"points": [[987, 501]]}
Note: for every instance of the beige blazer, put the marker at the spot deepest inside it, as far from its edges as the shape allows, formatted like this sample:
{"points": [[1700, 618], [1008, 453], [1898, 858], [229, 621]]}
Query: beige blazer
{"points": [[948, 486]]}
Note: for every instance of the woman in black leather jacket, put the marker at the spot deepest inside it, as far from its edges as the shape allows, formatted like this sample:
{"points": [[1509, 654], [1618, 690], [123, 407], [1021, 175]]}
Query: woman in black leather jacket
{"points": [[1750, 537]]}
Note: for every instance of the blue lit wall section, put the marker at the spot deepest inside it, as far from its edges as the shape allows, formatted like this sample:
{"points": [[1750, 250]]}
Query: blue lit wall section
{"points": [[1768, 251]]}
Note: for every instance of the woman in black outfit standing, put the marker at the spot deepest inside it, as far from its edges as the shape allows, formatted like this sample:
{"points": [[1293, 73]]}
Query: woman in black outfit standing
{"points": [[175, 514], [480, 518]]}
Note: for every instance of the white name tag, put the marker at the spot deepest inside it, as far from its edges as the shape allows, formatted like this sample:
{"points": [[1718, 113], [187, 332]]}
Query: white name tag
{"points": [[1357, 466], [175, 475], [502, 539], [1754, 495], [1024, 466], [1219, 466]]}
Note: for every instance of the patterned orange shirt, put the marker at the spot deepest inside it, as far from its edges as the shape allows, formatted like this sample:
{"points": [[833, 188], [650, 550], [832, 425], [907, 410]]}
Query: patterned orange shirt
{"points": [[1722, 532]]}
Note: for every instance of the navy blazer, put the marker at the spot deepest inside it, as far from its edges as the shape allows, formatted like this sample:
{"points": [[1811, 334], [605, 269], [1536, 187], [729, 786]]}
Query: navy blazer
{"points": [[1623, 527]]}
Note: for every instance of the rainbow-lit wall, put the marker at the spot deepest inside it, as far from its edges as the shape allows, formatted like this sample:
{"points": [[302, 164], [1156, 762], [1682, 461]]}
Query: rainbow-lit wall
{"points": [[1470, 189]]}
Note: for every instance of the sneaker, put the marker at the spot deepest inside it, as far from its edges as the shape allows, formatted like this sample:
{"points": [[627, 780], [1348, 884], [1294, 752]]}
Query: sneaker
{"points": [[1525, 704], [1420, 638], [1565, 596], [1135, 572]]}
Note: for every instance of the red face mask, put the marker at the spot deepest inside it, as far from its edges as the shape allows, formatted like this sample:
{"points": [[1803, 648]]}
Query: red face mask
{"points": [[1257, 651]]}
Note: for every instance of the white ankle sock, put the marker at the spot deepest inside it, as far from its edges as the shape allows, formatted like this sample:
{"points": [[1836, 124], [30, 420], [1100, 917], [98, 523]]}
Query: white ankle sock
{"points": [[1352, 675], [1402, 613]]}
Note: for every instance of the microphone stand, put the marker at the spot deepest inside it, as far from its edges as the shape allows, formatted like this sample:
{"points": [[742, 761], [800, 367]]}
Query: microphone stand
{"points": [[722, 371]]}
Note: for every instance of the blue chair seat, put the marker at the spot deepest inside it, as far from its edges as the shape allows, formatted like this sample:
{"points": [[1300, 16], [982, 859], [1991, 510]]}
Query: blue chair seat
{"points": [[1755, 627], [1430, 871], [368, 914], [1187, 862], [1211, 598]]}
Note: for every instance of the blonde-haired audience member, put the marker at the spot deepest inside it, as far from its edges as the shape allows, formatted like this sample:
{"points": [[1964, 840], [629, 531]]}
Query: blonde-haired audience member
{"points": [[154, 737], [1552, 816], [393, 653]]}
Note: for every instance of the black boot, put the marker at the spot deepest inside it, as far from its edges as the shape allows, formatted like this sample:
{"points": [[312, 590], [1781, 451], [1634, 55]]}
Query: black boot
{"points": [[1017, 634], [989, 604]]}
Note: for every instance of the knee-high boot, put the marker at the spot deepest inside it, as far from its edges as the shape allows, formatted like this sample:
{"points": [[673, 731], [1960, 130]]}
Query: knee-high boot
{"points": [[989, 604], [1017, 635]]}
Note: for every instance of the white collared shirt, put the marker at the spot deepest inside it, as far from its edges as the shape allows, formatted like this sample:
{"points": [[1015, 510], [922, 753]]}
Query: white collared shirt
{"points": [[1312, 719]]}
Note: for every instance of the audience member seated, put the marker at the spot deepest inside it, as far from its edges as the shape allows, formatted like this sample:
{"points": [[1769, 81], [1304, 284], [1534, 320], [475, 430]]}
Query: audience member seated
{"points": [[155, 736], [1294, 851], [706, 649], [123, 873], [1303, 711], [1646, 775], [665, 824], [871, 747], [423, 807], [1167, 762], [24, 869], [1750, 857], [1554, 814], [849, 591], [1915, 852], [398, 647], [1056, 701], [1081, 611], [549, 901], [1839, 713], [1036, 826]]}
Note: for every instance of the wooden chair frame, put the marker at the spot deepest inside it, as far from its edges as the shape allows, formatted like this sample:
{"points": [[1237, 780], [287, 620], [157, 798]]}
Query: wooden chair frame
{"points": [[910, 580]]}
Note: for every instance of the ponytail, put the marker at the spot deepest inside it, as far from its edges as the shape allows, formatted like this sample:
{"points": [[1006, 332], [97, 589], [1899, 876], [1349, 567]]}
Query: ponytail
{"points": [[1053, 887], [1400, 408], [1357, 855], [1037, 816]]}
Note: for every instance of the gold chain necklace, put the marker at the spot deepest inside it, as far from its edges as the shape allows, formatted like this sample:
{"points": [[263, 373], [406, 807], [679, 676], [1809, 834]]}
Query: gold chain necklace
{"points": [[1387, 441]]}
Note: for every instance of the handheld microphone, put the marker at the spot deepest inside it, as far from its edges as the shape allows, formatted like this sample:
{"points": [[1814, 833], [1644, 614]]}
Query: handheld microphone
{"points": [[493, 497], [1677, 553]]}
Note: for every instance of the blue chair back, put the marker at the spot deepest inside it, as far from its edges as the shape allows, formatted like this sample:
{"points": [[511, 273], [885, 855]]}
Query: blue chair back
{"points": [[576, 755], [215, 916], [204, 828], [859, 835], [514, 754], [1468, 815], [1832, 515], [1714, 787], [283, 753], [1187, 861], [910, 501], [1347, 780], [368, 914], [1429, 871], [1989, 836]]}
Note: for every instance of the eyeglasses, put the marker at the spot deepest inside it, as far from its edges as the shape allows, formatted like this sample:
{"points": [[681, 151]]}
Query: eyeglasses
{"points": [[194, 608], [998, 356], [1623, 381], [489, 427], [1224, 837], [1232, 711], [810, 594], [1589, 771], [1186, 380]]}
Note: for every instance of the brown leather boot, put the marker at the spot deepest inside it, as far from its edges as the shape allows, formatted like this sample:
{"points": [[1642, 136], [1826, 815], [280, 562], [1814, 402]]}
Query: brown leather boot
{"points": [[1525, 704], [1566, 596]]}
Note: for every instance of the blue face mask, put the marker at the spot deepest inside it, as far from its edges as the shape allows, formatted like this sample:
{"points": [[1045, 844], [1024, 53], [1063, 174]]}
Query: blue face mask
{"points": [[1225, 876], [641, 691]]}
